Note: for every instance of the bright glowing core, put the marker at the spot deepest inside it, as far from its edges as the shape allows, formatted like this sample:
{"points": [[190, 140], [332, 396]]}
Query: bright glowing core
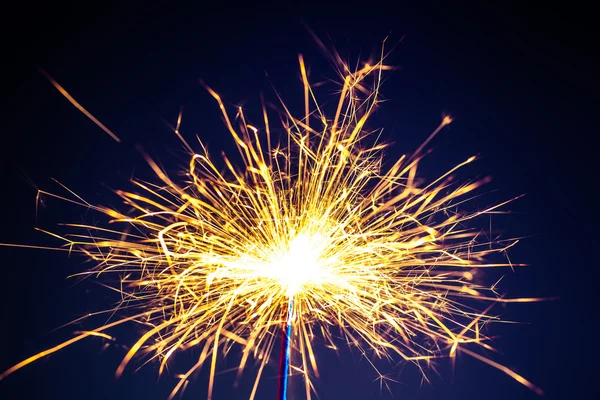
{"points": [[299, 264]]}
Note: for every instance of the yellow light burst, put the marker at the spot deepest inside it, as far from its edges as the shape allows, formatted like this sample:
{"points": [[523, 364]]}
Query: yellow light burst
{"points": [[370, 256]]}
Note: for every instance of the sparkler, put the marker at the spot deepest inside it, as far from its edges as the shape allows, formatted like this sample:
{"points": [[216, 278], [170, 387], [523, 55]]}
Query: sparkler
{"points": [[316, 235]]}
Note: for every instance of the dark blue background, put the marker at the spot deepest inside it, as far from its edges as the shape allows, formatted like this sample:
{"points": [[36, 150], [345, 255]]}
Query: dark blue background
{"points": [[519, 82]]}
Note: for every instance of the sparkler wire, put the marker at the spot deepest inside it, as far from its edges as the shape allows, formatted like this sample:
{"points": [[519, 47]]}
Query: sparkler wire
{"points": [[284, 364]]}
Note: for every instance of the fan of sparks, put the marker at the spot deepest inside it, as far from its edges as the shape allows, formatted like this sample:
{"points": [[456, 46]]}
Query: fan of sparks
{"points": [[372, 258]]}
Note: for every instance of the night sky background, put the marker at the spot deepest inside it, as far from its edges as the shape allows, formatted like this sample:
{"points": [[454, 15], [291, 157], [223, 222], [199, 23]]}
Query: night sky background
{"points": [[519, 82]]}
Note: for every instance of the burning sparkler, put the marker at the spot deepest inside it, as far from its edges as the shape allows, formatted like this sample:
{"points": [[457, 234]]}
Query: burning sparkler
{"points": [[313, 235]]}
